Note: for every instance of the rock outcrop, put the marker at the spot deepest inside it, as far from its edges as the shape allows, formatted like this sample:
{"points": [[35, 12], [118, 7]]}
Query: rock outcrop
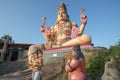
{"points": [[111, 71]]}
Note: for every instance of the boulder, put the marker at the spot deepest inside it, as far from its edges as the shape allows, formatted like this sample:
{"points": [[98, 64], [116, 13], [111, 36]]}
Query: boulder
{"points": [[111, 72]]}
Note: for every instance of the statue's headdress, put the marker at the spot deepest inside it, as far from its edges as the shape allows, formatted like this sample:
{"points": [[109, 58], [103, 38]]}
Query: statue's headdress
{"points": [[79, 54], [63, 7]]}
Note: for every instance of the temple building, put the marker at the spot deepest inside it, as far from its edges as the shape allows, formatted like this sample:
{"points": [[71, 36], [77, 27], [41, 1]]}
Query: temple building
{"points": [[12, 51]]}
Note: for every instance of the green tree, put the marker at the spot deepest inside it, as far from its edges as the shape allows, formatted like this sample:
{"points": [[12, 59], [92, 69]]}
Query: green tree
{"points": [[96, 64], [99, 58], [115, 52], [7, 37]]}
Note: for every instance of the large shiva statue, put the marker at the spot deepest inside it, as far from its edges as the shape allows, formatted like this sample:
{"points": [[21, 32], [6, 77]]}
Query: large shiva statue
{"points": [[60, 34]]}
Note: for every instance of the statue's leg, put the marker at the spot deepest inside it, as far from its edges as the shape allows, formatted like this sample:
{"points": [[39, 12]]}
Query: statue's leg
{"points": [[83, 39]]}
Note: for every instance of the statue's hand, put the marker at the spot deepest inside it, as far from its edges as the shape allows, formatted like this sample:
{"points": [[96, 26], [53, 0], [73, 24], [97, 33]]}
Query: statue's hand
{"points": [[69, 60], [42, 28], [83, 19]]}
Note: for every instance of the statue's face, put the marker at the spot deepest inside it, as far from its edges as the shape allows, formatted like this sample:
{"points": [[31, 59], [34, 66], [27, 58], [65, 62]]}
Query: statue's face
{"points": [[73, 53], [62, 16]]}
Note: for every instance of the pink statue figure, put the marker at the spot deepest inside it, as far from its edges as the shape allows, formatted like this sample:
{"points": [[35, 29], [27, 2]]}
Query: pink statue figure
{"points": [[75, 65], [60, 34]]}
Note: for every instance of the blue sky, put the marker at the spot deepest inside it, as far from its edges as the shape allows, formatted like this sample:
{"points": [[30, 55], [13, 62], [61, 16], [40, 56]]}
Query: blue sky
{"points": [[21, 19]]}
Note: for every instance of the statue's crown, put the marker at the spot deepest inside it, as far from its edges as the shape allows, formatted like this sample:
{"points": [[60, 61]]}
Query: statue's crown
{"points": [[62, 10], [62, 5]]}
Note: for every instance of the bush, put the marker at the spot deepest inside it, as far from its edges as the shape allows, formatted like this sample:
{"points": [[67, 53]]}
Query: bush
{"points": [[98, 60], [96, 65]]}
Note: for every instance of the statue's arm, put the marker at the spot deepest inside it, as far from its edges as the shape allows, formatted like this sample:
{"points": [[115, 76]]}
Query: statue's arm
{"points": [[53, 34], [82, 61], [71, 66], [84, 22], [68, 67], [46, 31], [30, 60], [42, 29]]}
